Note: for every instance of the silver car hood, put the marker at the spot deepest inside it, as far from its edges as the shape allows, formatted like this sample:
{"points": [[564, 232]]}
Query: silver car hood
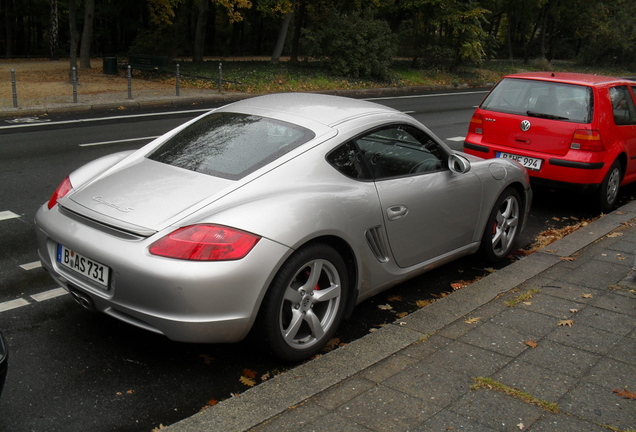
{"points": [[145, 196]]}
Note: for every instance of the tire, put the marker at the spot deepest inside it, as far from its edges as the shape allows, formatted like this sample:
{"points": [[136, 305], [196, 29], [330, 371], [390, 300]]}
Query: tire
{"points": [[607, 194], [304, 304], [503, 226]]}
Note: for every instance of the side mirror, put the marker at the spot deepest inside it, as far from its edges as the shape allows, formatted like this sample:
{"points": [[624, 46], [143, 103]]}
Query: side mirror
{"points": [[458, 163]]}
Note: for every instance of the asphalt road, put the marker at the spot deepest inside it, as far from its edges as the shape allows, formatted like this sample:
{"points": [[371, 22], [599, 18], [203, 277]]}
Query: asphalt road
{"points": [[74, 370]]}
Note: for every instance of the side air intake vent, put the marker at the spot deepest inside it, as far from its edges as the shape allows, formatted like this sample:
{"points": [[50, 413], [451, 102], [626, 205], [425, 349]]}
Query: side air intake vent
{"points": [[377, 243]]}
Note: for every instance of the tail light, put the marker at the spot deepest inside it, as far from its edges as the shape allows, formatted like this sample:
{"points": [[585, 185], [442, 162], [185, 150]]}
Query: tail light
{"points": [[64, 188], [476, 123], [587, 140], [205, 243]]}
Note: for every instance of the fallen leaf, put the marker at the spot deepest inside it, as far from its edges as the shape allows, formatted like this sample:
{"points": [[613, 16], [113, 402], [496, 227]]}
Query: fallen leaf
{"points": [[614, 234], [206, 359], [265, 376], [531, 343], [527, 303], [385, 307], [568, 259], [568, 323], [624, 393], [422, 303], [621, 258], [401, 314], [331, 345], [249, 373], [620, 212], [247, 381], [473, 320], [587, 296], [520, 426], [212, 402], [574, 310], [556, 219], [394, 298]]}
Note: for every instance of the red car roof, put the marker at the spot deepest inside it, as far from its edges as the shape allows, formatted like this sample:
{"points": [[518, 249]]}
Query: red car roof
{"points": [[568, 77]]}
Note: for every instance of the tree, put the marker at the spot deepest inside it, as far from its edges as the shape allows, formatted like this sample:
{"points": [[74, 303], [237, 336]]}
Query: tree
{"points": [[199, 35], [74, 35], [54, 41], [87, 34]]}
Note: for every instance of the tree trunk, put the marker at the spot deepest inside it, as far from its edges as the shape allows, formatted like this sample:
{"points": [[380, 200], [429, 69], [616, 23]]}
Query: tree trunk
{"points": [[87, 34], [298, 26], [10, 27], [54, 42], [199, 34], [72, 16], [282, 35]]}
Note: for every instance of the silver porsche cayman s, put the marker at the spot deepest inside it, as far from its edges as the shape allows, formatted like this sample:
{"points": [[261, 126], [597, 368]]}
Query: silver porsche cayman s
{"points": [[277, 215]]}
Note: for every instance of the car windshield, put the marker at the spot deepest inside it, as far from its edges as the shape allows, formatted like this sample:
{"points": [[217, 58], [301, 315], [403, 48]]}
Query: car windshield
{"points": [[230, 145], [544, 99]]}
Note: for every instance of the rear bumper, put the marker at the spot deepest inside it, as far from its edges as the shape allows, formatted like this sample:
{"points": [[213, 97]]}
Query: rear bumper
{"points": [[583, 171]]}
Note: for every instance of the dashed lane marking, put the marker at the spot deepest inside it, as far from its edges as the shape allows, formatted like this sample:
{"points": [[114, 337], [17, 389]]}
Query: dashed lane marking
{"points": [[150, 138], [8, 215], [13, 304], [40, 297], [31, 266], [50, 294], [457, 139]]}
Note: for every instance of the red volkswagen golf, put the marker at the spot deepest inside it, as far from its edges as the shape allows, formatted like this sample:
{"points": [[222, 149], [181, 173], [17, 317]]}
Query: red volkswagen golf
{"points": [[572, 131]]}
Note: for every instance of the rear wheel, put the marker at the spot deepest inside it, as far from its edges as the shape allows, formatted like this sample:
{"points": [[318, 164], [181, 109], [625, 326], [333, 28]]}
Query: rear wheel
{"points": [[503, 226], [607, 195], [304, 304]]}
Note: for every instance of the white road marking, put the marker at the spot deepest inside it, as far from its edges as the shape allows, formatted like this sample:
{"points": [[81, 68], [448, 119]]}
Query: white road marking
{"points": [[8, 215], [13, 304], [458, 138], [50, 294], [118, 141], [31, 266], [426, 95]]}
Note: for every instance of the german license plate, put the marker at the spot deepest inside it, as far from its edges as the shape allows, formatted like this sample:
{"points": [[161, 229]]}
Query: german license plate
{"points": [[85, 266], [527, 162]]}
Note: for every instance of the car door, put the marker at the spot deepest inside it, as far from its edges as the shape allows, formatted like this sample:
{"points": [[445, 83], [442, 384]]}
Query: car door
{"points": [[624, 113], [428, 209]]}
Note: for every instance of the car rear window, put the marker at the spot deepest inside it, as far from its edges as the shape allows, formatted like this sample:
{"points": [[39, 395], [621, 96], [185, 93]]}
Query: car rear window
{"points": [[230, 145], [544, 99]]}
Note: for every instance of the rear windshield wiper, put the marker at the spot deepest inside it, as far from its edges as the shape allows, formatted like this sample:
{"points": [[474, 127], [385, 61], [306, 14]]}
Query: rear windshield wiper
{"points": [[546, 116]]}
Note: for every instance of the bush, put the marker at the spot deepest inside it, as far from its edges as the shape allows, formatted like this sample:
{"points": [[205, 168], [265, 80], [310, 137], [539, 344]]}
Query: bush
{"points": [[353, 46]]}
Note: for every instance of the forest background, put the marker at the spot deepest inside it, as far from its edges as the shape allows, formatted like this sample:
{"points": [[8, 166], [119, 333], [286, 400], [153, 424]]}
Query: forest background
{"points": [[359, 39]]}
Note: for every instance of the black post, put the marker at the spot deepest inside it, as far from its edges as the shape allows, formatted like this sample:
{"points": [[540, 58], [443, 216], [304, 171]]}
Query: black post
{"points": [[14, 89]]}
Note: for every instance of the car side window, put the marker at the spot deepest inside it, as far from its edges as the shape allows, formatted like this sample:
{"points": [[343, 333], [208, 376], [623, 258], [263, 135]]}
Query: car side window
{"points": [[623, 106], [400, 150], [388, 152]]}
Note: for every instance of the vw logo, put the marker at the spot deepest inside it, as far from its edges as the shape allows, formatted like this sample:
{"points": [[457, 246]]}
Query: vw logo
{"points": [[525, 125]]}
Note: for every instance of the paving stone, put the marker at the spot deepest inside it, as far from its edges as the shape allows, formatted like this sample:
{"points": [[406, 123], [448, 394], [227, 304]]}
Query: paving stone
{"points": [[333, 422], [616, 303], [567, 291], [584, 337], [606, 320], [468, 359], [560, 358], [564, 423], [625, 350], [496, 410], [343, 392], [438, 385], [600, 405], [426, 347], [497, 338], [302, 415], [613, 374], [533, 324], [594, 274], [550, 305], [447, 421], [388, 367], [460, 327], [542, 383], [385, 409]]}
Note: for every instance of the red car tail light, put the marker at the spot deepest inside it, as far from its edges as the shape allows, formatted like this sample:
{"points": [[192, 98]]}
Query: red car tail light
{"points": [[587, 140], [476, 124], [205, 243], [64, 188]]}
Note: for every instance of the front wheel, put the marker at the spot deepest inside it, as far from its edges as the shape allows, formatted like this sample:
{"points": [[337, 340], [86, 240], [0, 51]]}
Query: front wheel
{"points": [[503, 226], [607, 194], [304, 304]]}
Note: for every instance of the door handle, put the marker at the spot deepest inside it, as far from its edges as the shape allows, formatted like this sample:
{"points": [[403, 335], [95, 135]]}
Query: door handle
{"points": [[396, 212]]}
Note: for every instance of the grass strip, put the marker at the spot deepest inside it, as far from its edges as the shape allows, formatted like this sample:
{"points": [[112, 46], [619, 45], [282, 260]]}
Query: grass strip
{"points": [[522, 297], [490, 384]]}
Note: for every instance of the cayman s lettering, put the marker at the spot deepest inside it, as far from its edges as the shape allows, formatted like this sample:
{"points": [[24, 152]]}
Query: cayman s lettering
{"points": [[99, 200]]}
